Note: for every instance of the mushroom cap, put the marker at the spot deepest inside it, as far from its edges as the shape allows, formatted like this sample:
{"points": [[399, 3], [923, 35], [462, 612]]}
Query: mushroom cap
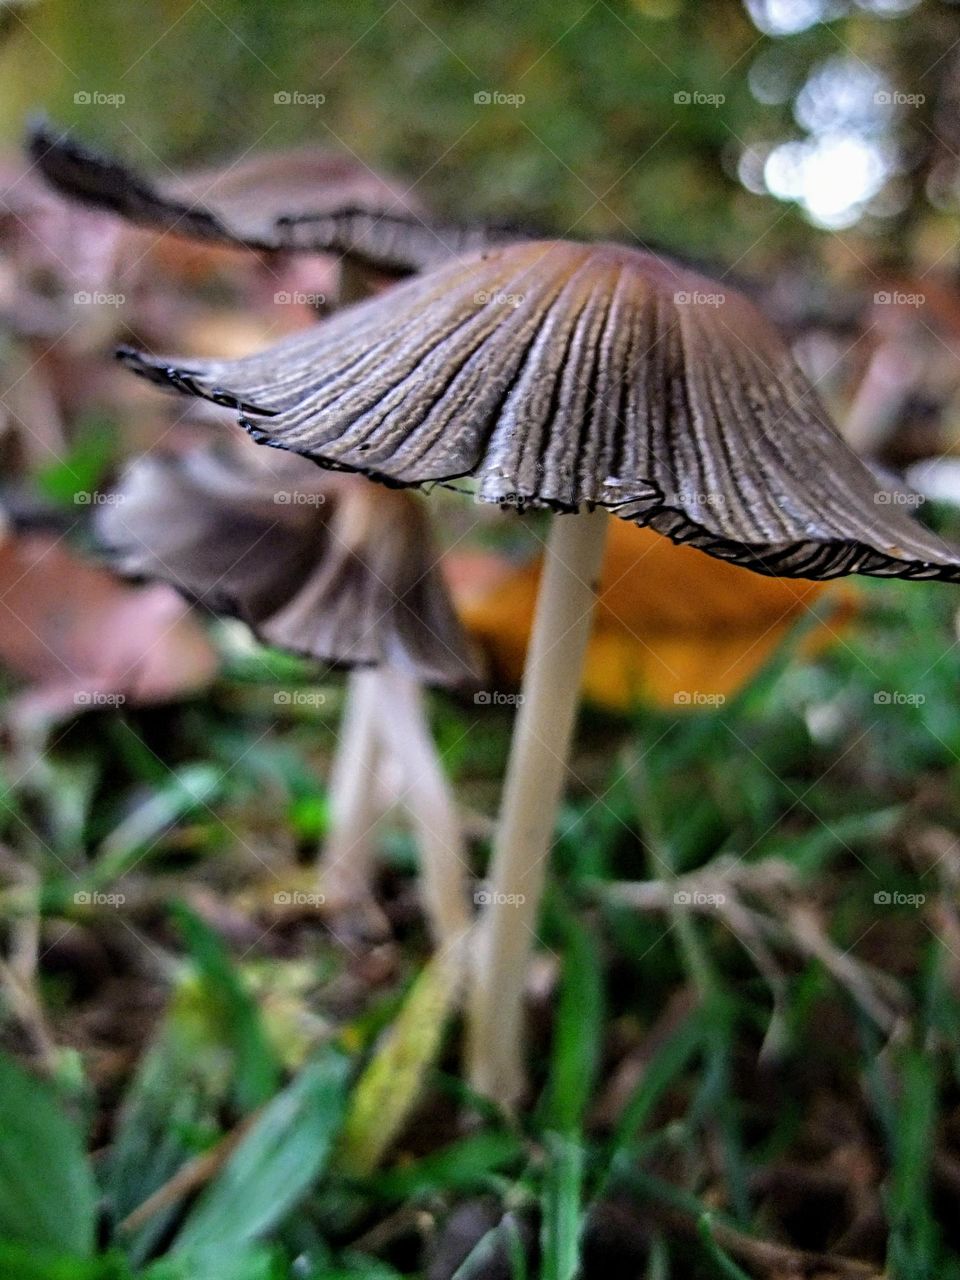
{"points": [[327, 566], [560, 374], [307, 199]]}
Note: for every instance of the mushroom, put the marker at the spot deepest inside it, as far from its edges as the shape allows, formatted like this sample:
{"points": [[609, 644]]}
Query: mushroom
{"points": [[587, 379], [330, 567], [306, 200]]}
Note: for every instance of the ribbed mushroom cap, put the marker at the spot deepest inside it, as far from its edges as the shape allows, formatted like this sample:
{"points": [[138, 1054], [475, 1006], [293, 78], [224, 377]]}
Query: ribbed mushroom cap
{"points": [[560, 374], [308, 199], [328, 566]]}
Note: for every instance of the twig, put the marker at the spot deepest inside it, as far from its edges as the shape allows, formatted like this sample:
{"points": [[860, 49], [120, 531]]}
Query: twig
{"points": [[188, 1178]]}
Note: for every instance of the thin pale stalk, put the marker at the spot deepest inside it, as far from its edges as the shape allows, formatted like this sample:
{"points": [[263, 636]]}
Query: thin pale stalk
{"points": [[427, 797], [346, 865], [536, 771]]}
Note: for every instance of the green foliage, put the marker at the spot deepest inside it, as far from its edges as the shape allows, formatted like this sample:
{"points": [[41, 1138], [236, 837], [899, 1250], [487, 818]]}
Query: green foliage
{"points": [[256, 1067], [274, 1166], [47, 1194]]}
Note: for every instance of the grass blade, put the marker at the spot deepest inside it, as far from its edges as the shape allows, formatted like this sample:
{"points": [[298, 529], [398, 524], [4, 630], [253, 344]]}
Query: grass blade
{"points": [[578, 1033], [47, 1192], [562, 1214], [391, 1084], [257, 1071], [275, 1164]]}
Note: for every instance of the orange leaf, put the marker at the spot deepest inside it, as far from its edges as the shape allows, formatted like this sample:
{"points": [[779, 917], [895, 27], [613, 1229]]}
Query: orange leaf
{"points": [[670, 620]]}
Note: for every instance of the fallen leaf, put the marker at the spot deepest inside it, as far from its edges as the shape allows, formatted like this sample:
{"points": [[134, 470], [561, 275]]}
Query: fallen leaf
{"points": [[673, 626], [84, 640], [385, 1095]]}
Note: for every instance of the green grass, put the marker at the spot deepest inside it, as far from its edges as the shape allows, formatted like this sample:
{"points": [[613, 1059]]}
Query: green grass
{"points": [[687, 1144]]}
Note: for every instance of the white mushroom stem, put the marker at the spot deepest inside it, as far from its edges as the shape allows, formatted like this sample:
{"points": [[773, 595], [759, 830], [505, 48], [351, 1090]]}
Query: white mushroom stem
{"points": [[384, 722], [346, 865], [428, 800], [539, 753]]}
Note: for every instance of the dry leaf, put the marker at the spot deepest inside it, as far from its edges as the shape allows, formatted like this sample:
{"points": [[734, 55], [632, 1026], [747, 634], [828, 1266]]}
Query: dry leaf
{"points": [[671, 623], [385, 1095], [83, 639]]}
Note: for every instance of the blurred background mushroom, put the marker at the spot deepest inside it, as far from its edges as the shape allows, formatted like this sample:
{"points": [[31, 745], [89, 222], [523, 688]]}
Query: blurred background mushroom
{"points": [[307, 201], [577, 378], [328, 567]]}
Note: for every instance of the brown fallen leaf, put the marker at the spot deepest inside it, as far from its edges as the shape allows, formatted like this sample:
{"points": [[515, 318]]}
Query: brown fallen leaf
{"points": [[82, 639], [673, 627]]}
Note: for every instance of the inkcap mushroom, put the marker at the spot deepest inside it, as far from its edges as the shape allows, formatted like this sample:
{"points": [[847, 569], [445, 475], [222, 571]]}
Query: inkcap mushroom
{"points": [[333, 568], [588, 379]]}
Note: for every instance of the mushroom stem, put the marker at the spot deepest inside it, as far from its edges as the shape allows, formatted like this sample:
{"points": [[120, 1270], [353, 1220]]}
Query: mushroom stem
{"points": [[539, 753], [346, 864], [427, 797]]}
